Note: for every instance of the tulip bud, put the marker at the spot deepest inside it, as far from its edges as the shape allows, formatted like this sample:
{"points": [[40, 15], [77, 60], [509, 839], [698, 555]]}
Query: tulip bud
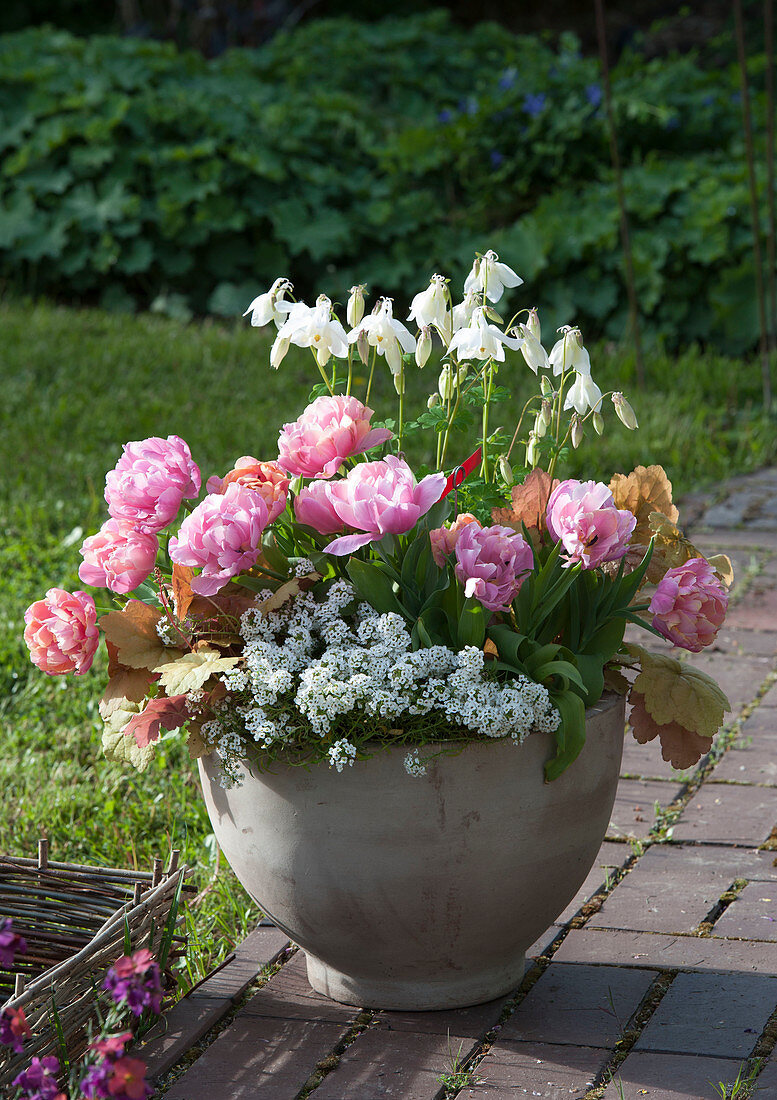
{"points": [[423, 348], [598, 422], [531, 450], [506, 471], [432, 400], [533, 324], [354, 311], [545, 386], [363, 347], [577, 431], [624, 411]]}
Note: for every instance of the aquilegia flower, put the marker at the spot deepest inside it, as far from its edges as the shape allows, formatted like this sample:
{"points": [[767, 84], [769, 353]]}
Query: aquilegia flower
{"points": [[388, 336], [583, 516], [489, 274], [265, 478], [583, 395], [11, 943], [568, 352], [135, 981], [61, 632], [689, 605], [380, 498], [118, 557], [265, 308], [492, 564], [149, 482], [222, 537], [315, 327], [14, 1028], [430, 307], [480, 340], [330, 430], [39, 1080]]}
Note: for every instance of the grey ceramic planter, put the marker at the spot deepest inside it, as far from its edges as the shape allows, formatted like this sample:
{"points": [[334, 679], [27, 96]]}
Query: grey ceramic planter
{"points": [[421, 893]]}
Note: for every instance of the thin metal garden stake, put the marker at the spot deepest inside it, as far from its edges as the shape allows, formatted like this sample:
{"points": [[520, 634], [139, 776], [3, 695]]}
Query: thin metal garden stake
{"points": [[759, 278], [771, 260], [631, 289]]}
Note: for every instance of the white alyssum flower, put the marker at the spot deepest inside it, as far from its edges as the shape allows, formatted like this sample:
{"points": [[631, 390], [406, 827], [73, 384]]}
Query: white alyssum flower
{"points": [[430, 306], [583, 395], [413, 765], [384, 333], [265, 308], [342, 753], [492, 276], [568, 352], [481, 340]]}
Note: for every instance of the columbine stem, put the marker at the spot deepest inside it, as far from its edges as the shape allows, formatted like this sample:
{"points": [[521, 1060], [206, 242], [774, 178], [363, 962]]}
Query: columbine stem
{"points": [[401, 405], [322, 372], [369, 380], [350, 371]]}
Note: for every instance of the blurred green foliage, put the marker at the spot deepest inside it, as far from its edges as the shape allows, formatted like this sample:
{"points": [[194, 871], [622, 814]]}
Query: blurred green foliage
{"points": [[342, 152]]}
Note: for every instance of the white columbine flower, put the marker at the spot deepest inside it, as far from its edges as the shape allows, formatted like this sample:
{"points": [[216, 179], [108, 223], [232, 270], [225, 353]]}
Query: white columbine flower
{"points": [[489, 274], [568, 353], [533, 352], [316, 328], [480, 340], [584, 395], [462, 313], [430, 307], [265, 308], [386, 334]]}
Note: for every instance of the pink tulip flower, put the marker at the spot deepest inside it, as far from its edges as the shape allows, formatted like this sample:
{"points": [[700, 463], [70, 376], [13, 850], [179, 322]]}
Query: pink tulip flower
{"points": [[330, 430], [380, 498], [118, 557], [582, 514], [689, 605], [149, 482], [313, 507], [222, 537], [443, 539], [266, 478], [61, 632], [492, 563]]}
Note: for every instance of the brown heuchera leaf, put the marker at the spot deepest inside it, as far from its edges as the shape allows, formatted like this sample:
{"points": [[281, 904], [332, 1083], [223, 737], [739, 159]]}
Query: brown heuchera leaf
{"points": [[133, 632], [131, 684], [647, 489], [529, 502], [158, 714], [182, 589], [681, 747]]}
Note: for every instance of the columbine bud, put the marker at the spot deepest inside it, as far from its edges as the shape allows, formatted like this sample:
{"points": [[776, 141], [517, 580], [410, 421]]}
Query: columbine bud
{"points": [[354, 311], [432, 400], [598, 421], [533, 324], [445, 383], [545, 386], [577, 431], [506, 471], [531, 450], [363, 347], [278, 351], [423, 348], [624, 411], [399, 382]]}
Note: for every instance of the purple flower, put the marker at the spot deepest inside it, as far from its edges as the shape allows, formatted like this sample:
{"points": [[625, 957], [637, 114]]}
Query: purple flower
{"points": [[507, 79], [593, 93], [11, 943], [135, 981], [492, 564], [13, 1028], [496, 158], [583, 517], [39, 1081], [534, 104], [95, 1085], [445, 115]]}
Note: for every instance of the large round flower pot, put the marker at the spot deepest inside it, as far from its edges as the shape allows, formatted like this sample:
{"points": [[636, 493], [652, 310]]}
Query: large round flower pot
{"points": [[421, 892]]}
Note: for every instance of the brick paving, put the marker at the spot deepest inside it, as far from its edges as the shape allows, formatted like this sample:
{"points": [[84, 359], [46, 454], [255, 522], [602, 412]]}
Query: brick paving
{"points": [[658, 981]]}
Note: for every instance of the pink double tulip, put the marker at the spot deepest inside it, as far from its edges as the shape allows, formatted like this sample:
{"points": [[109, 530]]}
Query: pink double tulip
{"points": [[376, 498], [313, 507], [583, 516], [492, 563], [149, 482], [222, 537], [118, 557], [330, 430], [689, 605], [61, 632], [265, 478], [443, 539]]}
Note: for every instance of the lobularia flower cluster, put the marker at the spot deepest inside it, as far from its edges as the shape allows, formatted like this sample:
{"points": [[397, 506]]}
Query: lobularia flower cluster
{"points": [[313, 667]]}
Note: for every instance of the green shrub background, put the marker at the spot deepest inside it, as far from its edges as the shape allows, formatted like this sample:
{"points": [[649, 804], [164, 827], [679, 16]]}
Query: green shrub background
{"points": [[135, 175]]}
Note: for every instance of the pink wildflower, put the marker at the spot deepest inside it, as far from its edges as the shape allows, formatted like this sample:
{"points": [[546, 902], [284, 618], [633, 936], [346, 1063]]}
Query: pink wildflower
{"points": [[492, 564], [582, 514], [689, 605], [330, 430], [118, 557], [148, 483], [61, 632], [222, 537]]}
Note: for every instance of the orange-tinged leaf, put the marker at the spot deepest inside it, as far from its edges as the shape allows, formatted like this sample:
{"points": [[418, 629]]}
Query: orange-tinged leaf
{"points": [[681, 747], [645, 490], [287, 591], [192, 670], [182, 589], [133, 632], [675, 691], [158, 714], [529, 502]]}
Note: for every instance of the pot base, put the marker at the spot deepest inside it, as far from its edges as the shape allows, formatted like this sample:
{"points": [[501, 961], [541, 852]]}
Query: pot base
{"points": [[422, 995]]}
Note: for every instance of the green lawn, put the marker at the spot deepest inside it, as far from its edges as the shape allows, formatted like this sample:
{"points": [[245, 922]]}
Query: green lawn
{"points": [[75, 385]]}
